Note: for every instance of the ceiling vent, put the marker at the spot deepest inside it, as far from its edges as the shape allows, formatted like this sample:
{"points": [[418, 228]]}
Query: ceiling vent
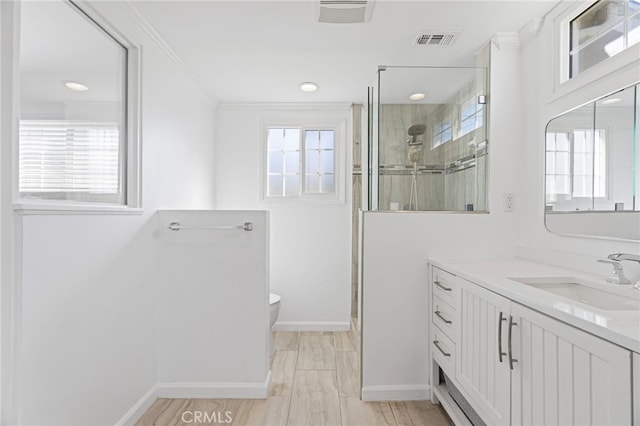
{"points": [[436, 38], [343, 11]]}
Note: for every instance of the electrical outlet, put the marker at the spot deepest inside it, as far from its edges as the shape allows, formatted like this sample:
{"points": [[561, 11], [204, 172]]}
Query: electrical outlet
{"points": [[509, 202]]}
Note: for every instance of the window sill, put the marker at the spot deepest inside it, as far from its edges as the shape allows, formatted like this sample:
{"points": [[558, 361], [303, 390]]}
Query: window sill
{"points": [[309, 199], [45, 208]]}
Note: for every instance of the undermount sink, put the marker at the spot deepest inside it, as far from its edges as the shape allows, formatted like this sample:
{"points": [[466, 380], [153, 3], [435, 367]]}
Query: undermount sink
{"points": [[572, 289]]}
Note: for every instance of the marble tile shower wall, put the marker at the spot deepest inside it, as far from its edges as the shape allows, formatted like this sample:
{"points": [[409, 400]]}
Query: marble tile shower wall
{"points": [[436, 191]]}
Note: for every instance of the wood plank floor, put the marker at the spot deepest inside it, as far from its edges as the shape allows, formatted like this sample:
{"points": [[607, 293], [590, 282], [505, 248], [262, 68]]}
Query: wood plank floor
{"points": [[315, 381]]}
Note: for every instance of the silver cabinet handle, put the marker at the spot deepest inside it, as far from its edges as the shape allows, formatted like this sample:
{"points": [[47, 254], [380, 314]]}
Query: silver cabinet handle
{"points": [[441, 286], [511, 358], [446, 321], [435, 342], [500, 353]]}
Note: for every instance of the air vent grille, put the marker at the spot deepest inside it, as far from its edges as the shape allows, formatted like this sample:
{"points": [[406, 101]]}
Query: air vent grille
{"points": [[436, 38], [344, 11]]}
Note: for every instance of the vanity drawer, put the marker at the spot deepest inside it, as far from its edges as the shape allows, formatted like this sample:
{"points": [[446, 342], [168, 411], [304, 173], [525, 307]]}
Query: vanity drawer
{"points": [[444, 286], [443, 350], [444, 316]]}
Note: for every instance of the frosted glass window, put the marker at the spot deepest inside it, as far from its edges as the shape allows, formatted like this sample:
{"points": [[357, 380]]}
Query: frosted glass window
{"points": [[327, 183], [326, 139], [300, 162], [603, 30], [312, 139], [319, 161], [283, 162], [292, 139]]}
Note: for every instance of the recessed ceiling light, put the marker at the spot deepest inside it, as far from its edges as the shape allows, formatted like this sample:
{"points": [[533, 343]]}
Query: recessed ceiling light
{"points": [[308, 86], [417, 96], [76, 87], [611, 101]]}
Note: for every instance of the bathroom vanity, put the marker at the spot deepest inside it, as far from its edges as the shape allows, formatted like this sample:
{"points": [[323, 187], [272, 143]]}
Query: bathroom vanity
{"points": [[522, 342]]}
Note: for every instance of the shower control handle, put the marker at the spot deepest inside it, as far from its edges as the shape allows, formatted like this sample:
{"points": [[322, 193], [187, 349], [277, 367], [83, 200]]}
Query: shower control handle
{"points": [[441, 286], [500, 353]]}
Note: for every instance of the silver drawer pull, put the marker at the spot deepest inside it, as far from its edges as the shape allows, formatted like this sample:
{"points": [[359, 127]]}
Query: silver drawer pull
{"points": [[511, 358], [446, 321], [441, 286], [435, 342]]}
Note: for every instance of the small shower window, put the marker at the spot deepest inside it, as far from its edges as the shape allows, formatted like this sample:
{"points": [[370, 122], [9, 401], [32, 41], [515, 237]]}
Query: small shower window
{"points": [[442, 132], [471, 116], [300, 162]]}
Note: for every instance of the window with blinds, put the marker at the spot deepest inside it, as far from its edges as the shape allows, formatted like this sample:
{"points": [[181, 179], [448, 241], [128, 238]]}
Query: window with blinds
{"points": [[71, 160]]}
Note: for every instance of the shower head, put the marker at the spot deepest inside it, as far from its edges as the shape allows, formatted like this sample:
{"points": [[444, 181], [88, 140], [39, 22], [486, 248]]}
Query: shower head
{"points": [[416, 130]]}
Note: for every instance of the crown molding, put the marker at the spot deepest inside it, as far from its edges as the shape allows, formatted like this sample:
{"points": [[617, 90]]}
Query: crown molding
{"points": [[506, 40], [136, 14]]}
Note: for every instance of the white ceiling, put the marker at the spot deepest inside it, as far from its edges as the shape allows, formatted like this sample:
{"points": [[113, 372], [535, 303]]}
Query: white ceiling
{"points": [[260, 51]]}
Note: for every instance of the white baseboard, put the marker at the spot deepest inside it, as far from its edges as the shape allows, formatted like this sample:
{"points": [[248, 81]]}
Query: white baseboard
{"points": [[311, 326], [215, 390], [396, 393], [139, 408]]}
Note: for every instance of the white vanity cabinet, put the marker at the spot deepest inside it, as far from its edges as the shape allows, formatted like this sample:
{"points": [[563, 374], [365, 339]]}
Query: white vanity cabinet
{"points": [[517, 366], [481, 371], [562, 375]]}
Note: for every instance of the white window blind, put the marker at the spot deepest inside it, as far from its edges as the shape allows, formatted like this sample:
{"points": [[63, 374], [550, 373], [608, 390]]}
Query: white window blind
{"points": [[62, 159]]}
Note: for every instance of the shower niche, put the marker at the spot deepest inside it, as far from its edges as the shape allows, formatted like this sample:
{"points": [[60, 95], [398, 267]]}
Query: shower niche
{"points": [[427, 139]]}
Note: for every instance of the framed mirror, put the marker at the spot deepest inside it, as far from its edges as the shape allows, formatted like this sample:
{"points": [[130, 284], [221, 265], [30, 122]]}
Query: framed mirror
{"points": [[592, 164]]}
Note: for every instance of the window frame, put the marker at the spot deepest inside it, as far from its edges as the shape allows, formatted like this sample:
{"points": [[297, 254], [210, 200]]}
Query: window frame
{"points": [[570, 50], [337, 196], [130, 156], [614, 69]]}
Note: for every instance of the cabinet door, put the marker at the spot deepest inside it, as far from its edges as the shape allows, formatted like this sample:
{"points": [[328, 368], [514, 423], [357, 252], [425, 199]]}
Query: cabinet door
{"points": [[565, 376], [483, 374]]}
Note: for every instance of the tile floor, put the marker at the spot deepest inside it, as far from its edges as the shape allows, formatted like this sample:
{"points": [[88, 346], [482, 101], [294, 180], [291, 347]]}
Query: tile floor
{"points": [[315, 381]]}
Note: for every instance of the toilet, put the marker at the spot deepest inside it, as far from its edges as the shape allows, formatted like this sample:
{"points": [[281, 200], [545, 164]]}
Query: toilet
{"points": [[274, 310], [274, 307]]}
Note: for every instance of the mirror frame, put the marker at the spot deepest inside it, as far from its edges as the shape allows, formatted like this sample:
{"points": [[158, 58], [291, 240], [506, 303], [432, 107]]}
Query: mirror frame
{"points": [[581, 223]]}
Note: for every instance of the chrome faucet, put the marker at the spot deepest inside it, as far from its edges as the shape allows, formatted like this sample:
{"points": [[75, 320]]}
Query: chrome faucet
{"points": [[618, 257], [624, 256], [618, 274]]}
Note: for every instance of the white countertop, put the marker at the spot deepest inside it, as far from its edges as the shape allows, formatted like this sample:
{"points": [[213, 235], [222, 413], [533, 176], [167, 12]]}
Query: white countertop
{"points": [[619, 327]]}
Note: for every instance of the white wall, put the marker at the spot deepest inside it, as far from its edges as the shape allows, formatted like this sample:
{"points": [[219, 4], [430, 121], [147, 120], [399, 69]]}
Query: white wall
{"points": [[541, 102], [396, 247], [310, 242], [214, 330], [89, 321]]}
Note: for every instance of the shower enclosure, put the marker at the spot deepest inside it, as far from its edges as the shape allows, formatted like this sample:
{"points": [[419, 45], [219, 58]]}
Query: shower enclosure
{"points": [[427, 139]]}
